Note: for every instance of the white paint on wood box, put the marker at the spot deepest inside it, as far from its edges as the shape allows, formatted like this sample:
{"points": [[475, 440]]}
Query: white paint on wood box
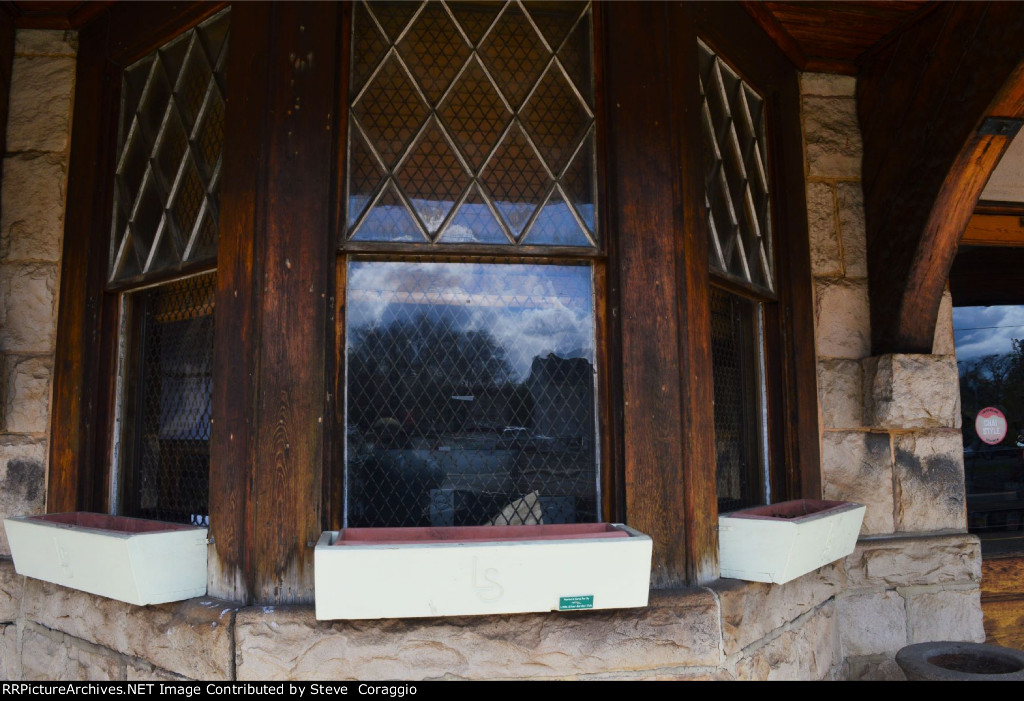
{"points": [[137, 561], [780, 542], [411, 572]]}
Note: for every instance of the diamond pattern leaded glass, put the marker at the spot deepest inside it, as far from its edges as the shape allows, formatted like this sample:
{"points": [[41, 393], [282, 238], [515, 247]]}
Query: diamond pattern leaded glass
{"points": [[472, 123], [169, 154], [735, 179], [470, 394]]}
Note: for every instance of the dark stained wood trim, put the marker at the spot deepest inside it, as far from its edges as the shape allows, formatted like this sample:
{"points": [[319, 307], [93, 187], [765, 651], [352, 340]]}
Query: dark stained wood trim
{"points": [[994, 230], [925, 164], [1002, 600], [987, 275], [137, 28], [74, 475], [774, 29], [1015, 209], [25, 16], [642, 170], [693, 311], [239, 294], [298, 262]]}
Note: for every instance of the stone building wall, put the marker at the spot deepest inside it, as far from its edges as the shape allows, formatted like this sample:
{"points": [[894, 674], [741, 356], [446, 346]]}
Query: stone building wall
{"points": [[890, 424], [890, 439], [31, 227]]}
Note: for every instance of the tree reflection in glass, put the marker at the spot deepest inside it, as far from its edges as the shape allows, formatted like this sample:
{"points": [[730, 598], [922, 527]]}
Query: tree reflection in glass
{"points": [[470, 394]]}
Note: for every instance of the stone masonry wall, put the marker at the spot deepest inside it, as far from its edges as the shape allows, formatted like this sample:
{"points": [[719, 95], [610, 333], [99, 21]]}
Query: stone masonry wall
{"points": [[31, 227], [890, 439], [890, 424]]}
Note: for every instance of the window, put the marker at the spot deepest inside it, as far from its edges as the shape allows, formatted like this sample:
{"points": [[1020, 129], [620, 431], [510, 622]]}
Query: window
{"points": [[163, 241], [738, 202], [471, 383]]}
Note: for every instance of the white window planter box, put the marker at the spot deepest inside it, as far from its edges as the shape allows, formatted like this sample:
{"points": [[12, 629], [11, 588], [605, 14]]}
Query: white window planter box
{"points": [[780, 542], [409, 572], [132, 560]]}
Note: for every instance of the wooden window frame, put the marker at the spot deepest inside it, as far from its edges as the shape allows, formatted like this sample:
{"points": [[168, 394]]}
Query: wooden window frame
{"points": [[273, 452]]}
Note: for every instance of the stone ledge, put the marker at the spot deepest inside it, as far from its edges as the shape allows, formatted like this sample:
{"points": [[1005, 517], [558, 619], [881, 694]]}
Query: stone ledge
{"points": [[904, 392], [915, 561], [808, 649], [677, 629], [49, 655], [752, 610], [192, 638]]}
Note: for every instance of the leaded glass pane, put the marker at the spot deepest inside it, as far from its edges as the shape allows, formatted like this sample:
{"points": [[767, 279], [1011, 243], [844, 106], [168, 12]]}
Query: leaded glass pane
{"points": [[169, 154], [470, 394], [739, 431], [735, 180], [481, 116], [170, 398]]}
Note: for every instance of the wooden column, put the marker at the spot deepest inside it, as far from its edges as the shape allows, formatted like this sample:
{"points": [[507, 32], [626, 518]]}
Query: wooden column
{"points": [[289, 278], [642, 186]]}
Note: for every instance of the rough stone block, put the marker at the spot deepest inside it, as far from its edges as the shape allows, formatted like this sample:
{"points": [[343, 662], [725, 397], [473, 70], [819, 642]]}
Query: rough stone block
{"points": [[826, 256], [807, 650], [944, 342], [873, 623], [915, 561], [139, 671], [832, 137], [839, 389], [945, 615], [842, 319], [929, 486], [752, 610], [50, 656], [45, 42], [850, 201], [874, 668], [27, 390], [857, 467], [677, 629], [911, 391], [828, 85], [31, 222], [10, 655], [40, 106], [168, 636], [11, 587], [28, 322], [22, 479]]}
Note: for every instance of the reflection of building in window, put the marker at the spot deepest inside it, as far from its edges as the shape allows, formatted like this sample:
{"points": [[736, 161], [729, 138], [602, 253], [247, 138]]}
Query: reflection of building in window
{"points": [[448, 423], [990, 357]]}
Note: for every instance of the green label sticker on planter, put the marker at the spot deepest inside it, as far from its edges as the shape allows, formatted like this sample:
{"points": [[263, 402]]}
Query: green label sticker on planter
{"points": [[575, 603]]}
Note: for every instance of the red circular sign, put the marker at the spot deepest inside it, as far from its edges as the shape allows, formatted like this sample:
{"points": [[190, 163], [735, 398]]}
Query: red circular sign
{"points": [[990, 425]]}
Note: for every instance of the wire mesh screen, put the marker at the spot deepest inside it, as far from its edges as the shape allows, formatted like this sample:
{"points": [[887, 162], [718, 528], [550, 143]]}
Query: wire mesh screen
{"points": [[735, 177], [169, 154], [472, 123], [738, 428], [173, 384], [470, 394]]}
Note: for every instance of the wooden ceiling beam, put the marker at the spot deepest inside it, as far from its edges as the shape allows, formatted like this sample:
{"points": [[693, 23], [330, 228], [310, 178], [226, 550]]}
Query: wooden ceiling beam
{"points": [[921, 106]]}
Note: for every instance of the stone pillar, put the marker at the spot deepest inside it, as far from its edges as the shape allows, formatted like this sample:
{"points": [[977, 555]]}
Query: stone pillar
{"points": [[31, 228], [890, 424]]}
